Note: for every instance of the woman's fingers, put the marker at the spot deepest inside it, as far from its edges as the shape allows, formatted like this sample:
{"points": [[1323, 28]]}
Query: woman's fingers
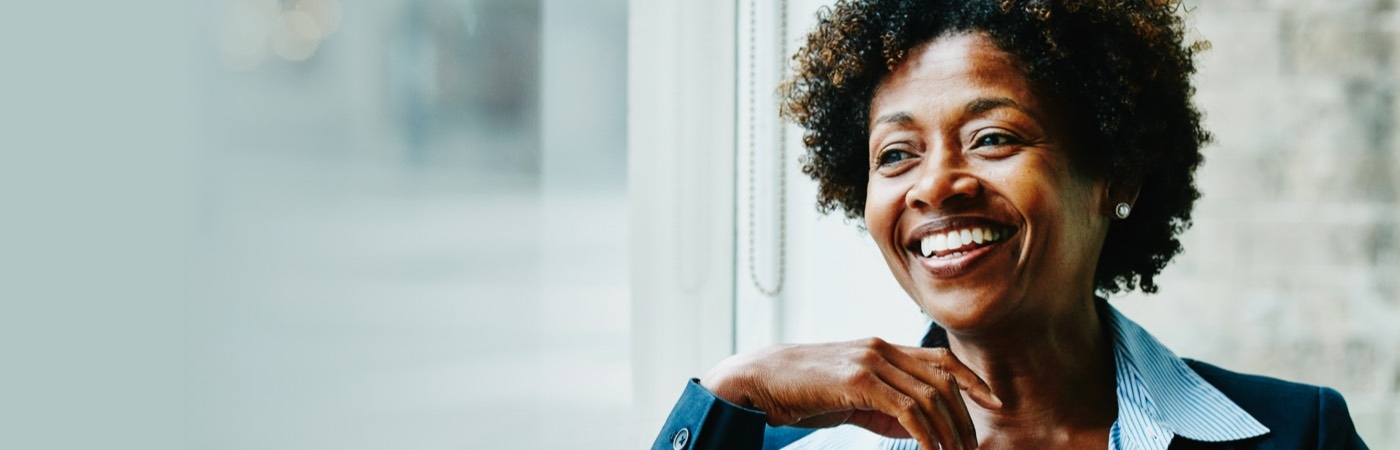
{"points": [[913, 420], [942, 360], [961, 417], [879, 423], [939, 400], [926, 401], [946, 383]]}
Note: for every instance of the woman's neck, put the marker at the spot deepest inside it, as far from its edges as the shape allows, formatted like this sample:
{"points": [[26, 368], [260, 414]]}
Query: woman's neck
{"points": [[1054, 373]]}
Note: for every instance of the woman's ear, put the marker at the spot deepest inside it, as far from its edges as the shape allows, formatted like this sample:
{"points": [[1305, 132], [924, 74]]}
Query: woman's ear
{"points": [[1122, 197]]}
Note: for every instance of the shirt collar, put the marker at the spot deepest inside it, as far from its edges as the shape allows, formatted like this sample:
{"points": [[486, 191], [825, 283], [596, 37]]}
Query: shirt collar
{"points": [[1155, 382], [1158, 394]]}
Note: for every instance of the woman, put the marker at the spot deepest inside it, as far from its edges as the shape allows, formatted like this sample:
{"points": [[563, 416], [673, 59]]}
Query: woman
{"points": [[1013, 160]]}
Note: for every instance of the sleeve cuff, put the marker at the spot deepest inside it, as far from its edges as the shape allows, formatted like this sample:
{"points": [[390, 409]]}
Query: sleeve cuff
{"points": [[703, 421]]}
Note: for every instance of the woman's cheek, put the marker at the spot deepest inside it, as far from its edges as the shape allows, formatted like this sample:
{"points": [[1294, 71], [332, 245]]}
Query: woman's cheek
{"points": [[883, 199], [883, 204]]}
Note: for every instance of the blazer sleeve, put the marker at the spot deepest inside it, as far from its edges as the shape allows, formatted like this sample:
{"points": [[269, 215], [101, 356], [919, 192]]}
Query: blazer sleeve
{"points": [[1335, 429], [702, 421]]}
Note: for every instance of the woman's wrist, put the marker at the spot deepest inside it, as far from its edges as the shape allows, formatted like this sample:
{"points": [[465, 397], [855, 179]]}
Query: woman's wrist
{"points": [[727, 381]]}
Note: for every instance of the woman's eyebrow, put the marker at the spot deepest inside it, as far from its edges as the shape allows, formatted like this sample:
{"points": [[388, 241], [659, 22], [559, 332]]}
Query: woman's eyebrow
{"points": [[898, 118], [974, 107], [985, 104]]}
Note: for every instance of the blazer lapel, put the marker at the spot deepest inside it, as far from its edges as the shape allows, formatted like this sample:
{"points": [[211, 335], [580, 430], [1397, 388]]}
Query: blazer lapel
{"points": [[1180, 443]]}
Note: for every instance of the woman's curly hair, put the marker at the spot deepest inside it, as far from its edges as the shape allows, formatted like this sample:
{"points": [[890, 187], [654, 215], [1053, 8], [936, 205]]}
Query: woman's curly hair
{"points": [[1118, 68]]}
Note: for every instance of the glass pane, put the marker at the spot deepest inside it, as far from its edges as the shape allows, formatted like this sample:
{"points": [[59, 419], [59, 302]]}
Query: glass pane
{"points": [[413, 225]]}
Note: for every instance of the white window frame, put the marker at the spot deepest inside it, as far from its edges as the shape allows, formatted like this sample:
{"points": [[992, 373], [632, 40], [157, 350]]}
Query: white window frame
{"points": [[681, 57]]}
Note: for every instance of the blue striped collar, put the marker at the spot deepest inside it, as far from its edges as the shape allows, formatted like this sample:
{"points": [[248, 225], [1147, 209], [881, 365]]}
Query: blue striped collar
{"points": [[1160, 397]]}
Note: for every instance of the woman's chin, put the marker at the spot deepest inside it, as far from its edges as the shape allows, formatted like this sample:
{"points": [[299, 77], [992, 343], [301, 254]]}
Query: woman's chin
{"points": [[964, 312]]}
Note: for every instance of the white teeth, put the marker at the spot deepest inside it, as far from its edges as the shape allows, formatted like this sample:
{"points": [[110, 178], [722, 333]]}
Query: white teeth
{"points": [[931, 245]]}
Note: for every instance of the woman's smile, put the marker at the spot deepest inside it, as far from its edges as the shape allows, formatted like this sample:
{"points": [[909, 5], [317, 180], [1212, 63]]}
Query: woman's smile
{"points": [[950, 248]]}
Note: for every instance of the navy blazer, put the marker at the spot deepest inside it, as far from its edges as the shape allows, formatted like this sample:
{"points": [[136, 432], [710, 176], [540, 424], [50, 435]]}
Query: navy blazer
{"points": [[1298, 416]]}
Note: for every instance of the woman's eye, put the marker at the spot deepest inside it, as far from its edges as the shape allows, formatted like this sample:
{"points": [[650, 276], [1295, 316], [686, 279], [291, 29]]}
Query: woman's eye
{"points": [[894, 156], [994, 140]]}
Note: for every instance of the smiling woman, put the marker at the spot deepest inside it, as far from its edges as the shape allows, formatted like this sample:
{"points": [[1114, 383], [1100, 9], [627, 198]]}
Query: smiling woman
{"points": [[1014, 162], [983, 156]]}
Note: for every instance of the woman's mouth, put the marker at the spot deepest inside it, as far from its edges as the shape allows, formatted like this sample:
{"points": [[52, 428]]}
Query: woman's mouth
{"points": [[956, 251], [954, 243]]}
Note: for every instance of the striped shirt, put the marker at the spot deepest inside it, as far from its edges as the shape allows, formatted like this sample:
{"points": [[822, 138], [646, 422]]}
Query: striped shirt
{"points": [[1159, 398]]}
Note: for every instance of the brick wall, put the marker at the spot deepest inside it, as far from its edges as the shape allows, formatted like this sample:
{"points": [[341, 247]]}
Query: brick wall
{"points": [[1293, 266]]}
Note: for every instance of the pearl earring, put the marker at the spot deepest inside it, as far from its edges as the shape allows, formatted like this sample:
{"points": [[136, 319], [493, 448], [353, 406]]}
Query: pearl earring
{"points": [[1123, 209]]}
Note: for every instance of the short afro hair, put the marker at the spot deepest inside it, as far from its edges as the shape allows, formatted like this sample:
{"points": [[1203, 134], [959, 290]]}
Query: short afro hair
{"points": [[1120, 69]]}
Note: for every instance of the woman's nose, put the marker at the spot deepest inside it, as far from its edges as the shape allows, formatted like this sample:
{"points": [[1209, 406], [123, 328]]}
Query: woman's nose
{"points": [[943, 179]]}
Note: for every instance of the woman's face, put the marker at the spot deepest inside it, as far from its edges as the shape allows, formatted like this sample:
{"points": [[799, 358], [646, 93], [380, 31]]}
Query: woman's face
{"points": [[973, 198]]}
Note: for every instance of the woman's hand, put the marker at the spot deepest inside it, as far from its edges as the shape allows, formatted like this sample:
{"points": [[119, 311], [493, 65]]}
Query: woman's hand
{"points": [[896, 391]]}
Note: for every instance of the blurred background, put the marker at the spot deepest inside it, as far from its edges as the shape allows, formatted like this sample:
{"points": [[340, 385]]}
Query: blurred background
{"points": [[1293, 266], [461, 224]]}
